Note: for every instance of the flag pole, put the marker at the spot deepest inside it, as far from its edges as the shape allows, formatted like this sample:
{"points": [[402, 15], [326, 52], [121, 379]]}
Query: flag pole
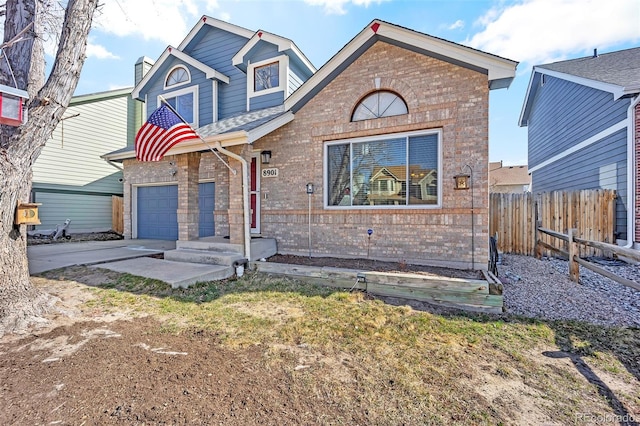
{"points": [[164, 101]]}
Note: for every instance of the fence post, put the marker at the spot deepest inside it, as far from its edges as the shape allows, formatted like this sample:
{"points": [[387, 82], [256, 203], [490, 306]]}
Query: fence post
{"points": [[537, 248], [574, 267]]}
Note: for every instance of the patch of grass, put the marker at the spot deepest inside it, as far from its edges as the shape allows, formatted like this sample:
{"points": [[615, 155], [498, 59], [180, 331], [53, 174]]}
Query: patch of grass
{"points": [[402, 365]]}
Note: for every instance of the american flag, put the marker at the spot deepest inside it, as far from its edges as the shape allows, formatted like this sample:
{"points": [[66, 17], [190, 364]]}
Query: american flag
{"points": [[162, 130]]}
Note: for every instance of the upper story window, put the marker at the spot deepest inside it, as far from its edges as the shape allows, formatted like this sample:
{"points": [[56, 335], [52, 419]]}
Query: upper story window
{"points": [[185, 102], [176, 76], [392, 171], [266, 76], [379, 104]]}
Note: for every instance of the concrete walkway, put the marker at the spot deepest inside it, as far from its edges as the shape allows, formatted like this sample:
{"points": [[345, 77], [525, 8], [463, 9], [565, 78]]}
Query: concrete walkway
{"points": [[127, 256], [45, 257]]}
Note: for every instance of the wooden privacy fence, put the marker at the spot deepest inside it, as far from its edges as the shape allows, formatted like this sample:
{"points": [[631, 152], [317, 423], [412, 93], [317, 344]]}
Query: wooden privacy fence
{"points": [[117, 214], [515, 217]]}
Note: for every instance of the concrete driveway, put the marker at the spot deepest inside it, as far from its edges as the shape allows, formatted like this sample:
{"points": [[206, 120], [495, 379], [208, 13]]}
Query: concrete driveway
{"points": [[45, 257]]}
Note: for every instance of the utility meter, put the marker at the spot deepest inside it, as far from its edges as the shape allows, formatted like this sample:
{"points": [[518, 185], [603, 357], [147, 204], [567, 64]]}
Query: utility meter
{"points": [[309, 188]]}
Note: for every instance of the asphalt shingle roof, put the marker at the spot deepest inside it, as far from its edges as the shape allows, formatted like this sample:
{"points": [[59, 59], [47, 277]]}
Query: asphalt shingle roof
{"points": [[621, 68], [246, 121]]}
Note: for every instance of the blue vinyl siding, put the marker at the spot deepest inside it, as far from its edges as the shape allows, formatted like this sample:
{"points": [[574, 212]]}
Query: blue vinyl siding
{"points": [[206, 204], [601, 165], [216, 48], [565, 113], [294, 82], [198, 78], [158, 212], [266, 101], [263, 51]]}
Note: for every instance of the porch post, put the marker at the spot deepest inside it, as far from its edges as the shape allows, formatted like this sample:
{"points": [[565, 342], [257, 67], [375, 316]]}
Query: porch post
{"points": [[236, 212], [188, 173]]}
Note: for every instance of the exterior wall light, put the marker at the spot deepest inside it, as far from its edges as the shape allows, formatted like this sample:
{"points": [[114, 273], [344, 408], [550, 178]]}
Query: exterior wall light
{"points": [[265, 157], [461, 181]]}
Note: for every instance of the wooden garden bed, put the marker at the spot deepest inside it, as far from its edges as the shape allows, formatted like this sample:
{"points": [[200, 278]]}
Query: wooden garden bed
{"points": [[480, 295]]}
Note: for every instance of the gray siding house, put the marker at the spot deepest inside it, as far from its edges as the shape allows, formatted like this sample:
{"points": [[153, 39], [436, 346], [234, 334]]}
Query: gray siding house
{"points": [[581, 117], [69, 177]]}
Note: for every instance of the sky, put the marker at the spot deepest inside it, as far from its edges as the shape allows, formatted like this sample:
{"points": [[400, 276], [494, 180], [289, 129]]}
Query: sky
{"points": [[531, 32]]}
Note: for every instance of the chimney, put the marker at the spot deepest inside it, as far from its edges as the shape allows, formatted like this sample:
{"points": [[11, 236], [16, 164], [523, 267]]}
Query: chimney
{"points": [[595, 53], [143, 65]]}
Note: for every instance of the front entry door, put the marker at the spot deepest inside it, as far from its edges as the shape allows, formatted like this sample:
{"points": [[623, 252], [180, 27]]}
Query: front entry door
{"points": [[254, 195]]}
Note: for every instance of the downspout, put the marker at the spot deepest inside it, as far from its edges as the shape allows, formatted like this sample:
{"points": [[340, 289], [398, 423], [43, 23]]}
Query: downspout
{"points": [[631, 163], [245, 197]]}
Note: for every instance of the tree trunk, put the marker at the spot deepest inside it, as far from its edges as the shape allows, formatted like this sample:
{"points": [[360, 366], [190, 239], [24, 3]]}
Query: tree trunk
{"points": [[20, 146]]}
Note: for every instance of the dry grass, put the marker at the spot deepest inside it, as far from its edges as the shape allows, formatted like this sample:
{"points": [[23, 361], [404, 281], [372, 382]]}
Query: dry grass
{"points": [[395, 365]]}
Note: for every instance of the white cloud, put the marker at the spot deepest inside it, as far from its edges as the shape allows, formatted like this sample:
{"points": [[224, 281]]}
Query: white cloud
{"points": [[100, 52], [336, 7], [541, 31], [165, 20], [456, 25]]}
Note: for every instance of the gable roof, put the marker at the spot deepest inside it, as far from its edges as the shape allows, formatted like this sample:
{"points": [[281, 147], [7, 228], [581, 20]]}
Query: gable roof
{"points": [[500, 71], [216, 23], [172, 51], [283, 44], [615, 72], [621, 68], [508, 175]]}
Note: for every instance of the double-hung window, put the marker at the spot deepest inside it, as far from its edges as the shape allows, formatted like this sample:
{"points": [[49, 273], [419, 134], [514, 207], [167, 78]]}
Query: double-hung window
{"points": [[185, 103], [400, 170]]}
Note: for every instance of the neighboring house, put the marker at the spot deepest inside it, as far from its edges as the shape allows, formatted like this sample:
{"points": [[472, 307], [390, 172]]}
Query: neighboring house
{"points": [[508, 179], [582, 117], [69, 177], [372, 140]]}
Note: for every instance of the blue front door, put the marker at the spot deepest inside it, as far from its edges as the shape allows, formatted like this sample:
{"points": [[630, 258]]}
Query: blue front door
{"points": [[206, 204], [158, 212]]}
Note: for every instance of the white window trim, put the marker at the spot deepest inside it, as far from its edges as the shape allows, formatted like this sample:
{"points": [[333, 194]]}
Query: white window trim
{"points": [[182, 83], [194, 91], [214, 101], [283, 67], [325, 171]]}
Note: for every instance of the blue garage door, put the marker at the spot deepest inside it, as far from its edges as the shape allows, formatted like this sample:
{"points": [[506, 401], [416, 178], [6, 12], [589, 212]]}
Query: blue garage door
{"points": [[206, 204], [158, 212]]}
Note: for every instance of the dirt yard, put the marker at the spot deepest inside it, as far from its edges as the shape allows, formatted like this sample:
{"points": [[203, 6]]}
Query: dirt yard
{"points": [[93, 361]]}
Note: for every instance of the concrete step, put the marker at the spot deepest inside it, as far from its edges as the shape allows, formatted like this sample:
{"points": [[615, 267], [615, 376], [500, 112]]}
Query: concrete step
{"points": [[260, 247], [224, 258], [209, 246]]}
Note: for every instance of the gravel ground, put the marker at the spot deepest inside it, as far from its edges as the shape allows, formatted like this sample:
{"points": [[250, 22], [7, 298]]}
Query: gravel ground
{"points": [[542, 289]]}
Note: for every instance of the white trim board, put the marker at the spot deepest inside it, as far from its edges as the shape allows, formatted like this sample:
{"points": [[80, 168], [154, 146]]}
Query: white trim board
{"points": [[585, 143]]}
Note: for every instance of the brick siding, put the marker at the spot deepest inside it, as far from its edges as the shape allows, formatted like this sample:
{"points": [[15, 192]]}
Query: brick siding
{"points": [[439, 95]]}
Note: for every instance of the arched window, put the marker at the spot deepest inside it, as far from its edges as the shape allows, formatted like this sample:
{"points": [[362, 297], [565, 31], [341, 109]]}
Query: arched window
{"points": [[382, 103], [176, 76]]}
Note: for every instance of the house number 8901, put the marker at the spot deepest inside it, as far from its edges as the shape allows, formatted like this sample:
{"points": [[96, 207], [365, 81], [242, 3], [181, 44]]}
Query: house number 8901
{"points": [[269, 173]]}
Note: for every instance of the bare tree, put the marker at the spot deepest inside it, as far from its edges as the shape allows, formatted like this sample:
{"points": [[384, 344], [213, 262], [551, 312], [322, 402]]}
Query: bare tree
{"points": [[22, 65]]}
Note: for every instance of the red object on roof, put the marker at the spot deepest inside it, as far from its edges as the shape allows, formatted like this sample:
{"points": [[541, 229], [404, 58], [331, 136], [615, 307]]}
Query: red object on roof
{"points": [[375, 27]]}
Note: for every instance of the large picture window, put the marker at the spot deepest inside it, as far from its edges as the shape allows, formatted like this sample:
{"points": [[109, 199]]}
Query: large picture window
{"points": [[394, 170]]}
